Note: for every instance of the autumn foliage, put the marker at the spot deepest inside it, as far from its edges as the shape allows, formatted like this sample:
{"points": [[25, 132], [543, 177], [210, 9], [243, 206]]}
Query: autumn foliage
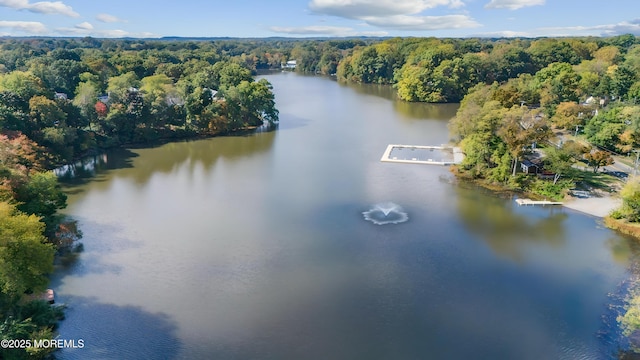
{"points": [[101, 109]]}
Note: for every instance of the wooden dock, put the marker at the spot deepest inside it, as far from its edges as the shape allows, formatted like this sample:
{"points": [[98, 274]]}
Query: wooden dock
{"points": [[537, 202]]}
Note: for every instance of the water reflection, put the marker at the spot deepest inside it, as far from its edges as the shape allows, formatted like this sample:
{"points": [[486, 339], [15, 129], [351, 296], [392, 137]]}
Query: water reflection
{"points": [[117, 332], [166, 158], [383, 91], [202, 152], [504, 230], [413, 111], [621, 249], [628, 348], [92, 261], [89, 167]]}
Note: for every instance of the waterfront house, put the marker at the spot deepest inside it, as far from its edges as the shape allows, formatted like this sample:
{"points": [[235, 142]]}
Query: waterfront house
{"points": [[291, 64], [529, 167]]}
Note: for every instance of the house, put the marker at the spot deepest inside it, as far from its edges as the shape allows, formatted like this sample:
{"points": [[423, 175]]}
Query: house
{"points": [[291, 64], [589, 101], [104, 98], [529, 167], [173, 99], [61, 96], [46, 295]]}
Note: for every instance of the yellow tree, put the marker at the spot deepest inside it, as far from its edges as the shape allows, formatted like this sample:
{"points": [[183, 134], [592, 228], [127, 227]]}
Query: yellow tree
{"points": [[569, 114], [598, 158]]}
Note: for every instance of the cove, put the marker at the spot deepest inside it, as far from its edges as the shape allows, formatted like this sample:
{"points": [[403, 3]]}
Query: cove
{"points": [[255, 247]]}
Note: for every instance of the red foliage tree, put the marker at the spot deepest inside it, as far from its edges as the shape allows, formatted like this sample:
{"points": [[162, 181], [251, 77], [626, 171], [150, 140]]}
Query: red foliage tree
{"points": [[101, 109]]}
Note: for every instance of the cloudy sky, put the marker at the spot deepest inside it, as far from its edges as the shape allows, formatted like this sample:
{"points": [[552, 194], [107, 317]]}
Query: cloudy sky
{"points": [[305, 18]]}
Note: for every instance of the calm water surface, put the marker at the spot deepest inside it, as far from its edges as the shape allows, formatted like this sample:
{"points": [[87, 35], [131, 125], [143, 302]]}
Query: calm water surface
{"points": [[255, 247]]}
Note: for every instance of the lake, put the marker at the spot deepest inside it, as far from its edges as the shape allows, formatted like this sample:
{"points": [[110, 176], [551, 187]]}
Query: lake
{"points": [[256, 247]]}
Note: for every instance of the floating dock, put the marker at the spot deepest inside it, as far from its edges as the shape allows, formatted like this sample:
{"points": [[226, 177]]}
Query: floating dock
{"points": [[418, 154], [537, 202]]}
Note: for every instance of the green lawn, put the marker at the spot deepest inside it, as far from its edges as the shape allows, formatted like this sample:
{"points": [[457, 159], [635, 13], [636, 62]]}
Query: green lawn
{"points": [[588, 179]]}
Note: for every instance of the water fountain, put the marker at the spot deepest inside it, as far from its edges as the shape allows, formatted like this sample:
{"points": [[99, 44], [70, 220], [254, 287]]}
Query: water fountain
{"points": [[386, 213]]}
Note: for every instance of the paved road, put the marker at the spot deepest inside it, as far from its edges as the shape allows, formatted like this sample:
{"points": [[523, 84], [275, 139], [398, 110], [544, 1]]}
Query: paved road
{"points": [[619, 169]]}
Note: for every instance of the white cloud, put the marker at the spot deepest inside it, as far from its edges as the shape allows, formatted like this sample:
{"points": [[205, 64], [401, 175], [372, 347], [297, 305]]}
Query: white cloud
{"points": [[41, 7], [311, 30], [356, 9], [117, 33], [395, 14], [404, 22], [325, 31], [107, 18], [503, 34], [109, 33], [30, 27], [625, 27], [512, 4], [84, 26]]}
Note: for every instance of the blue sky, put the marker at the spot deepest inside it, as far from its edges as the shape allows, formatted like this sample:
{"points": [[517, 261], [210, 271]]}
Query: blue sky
{"points": [[306, 18]]}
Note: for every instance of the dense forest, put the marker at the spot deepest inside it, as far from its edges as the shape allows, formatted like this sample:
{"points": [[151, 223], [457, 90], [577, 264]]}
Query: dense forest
{"points": [[61, 99]]}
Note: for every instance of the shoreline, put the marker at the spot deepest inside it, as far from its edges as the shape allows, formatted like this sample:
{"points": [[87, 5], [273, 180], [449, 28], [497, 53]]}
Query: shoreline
{"points": [[600, 205]]}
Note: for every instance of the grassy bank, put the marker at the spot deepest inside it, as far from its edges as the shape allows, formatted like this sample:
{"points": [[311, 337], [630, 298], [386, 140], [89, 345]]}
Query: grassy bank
{"points": [[623, 226], [527, 186]]}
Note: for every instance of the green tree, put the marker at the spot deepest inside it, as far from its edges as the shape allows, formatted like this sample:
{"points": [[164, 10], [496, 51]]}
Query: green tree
{"points": [[14, 112], [230, 74], [560, 161], [622, 80], [522, 90], [508, 61], [120, 85], [25, 257], [547, 51], [44, 112], [559, 83], [414, 84], [63, 75], [24, 84], [251, 103], [630, 194], [605, 129], [86, 97], [161, 96], [42, 196]]}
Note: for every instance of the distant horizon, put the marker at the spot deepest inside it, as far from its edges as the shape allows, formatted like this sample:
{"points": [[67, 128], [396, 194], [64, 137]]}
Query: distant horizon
{"points": [[317, 18], [204, 38]]}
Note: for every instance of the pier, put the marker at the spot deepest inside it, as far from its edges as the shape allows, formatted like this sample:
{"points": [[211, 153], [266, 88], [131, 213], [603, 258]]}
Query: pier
{"points": [[418, 154], [537, 202]]}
